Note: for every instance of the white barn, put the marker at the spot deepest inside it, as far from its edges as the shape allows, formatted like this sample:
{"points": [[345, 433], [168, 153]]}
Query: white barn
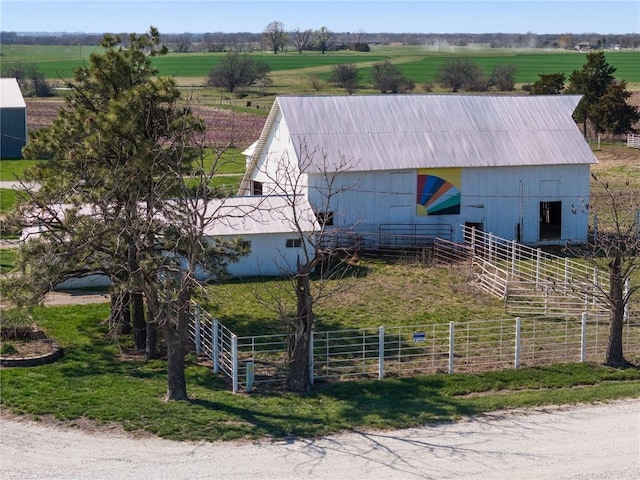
{"points": [[515, 166]]}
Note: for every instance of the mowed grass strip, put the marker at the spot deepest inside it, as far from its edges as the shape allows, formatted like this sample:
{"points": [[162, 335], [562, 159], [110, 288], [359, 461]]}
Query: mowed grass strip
{"points": [[94, 382]]}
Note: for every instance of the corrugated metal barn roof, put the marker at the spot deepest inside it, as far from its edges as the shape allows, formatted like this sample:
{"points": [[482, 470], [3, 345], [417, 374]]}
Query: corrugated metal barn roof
{"points": [[10, 94], [392, 132]]}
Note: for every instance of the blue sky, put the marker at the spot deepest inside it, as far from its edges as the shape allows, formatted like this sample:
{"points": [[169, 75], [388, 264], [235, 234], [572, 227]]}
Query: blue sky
{"points": [[412, 16]]}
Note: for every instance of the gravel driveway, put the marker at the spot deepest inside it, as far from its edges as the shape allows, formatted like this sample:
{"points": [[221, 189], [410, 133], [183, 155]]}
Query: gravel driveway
{"points": [[584, 442]]}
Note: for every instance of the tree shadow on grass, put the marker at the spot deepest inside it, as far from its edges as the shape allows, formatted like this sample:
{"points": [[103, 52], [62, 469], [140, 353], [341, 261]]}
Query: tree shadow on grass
{"points": [[348, 406]]}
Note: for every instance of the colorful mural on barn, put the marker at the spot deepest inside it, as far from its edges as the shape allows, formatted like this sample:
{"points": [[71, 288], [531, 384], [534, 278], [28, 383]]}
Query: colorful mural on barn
{"points": [[438, 191]]}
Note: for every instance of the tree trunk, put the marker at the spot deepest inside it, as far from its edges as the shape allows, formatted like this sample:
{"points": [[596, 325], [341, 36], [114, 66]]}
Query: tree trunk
{"points": [[151, 344], [125, 313], [615, 356], [119, 321], [139, 326], [174, 330], [298, 379]]}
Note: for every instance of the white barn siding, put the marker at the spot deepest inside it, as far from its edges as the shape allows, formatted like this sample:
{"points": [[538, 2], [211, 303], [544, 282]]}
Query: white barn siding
{"points": [[269, 257], [369, 199], [281, 151], [498, 198]]}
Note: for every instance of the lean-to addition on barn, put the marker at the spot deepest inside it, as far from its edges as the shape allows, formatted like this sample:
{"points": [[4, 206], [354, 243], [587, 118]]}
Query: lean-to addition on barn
{"points": [[275, 229], [515, 166]]}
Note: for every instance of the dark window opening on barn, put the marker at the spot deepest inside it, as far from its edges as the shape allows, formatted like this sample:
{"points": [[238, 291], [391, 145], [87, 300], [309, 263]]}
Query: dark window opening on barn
{"points": [[469, 226], [550, 220], [294, 243], [325, 218], [257, 188]]}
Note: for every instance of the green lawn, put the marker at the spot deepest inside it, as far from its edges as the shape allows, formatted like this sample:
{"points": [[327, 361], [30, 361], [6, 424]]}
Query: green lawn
{"points": [[10, 170], [8, 258], [92, 381], [8, 199]]}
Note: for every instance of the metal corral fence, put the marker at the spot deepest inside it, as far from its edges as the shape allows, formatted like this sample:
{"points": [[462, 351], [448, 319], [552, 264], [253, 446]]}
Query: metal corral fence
{"points": [[473, 346], [633, 141], [530, 280]]}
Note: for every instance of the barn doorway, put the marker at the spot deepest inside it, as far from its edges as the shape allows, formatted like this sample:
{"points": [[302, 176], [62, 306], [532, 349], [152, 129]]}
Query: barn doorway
{"points": [[550, 220], [469, 227]]}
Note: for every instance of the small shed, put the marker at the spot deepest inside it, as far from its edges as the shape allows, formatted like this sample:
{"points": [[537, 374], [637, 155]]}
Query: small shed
{"points": [[513, 165], [13, 119]]}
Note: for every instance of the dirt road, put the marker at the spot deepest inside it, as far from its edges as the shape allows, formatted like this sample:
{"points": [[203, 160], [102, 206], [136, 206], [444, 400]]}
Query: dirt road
{"points": [[587, 442]]}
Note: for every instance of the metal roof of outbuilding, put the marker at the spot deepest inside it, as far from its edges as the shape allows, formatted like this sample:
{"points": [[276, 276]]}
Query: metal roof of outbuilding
{"points": [[10, 94], [233, 216], [259, 215], [392, 132]]}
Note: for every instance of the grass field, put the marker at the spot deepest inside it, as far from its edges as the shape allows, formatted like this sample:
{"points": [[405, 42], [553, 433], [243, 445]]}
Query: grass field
{"points": [[101, 382], [418, 63], [10, 170]]}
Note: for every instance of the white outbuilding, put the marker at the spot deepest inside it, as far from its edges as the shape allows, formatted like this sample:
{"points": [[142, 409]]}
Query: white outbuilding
{"points": [[425, 165], [278, 230], [13, 119]]}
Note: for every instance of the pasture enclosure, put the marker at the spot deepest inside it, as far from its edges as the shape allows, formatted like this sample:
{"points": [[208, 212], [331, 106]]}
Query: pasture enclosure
{"points": [[468, 346]]}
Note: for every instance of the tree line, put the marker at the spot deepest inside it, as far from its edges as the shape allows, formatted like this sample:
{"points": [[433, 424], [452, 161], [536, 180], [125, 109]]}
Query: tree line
{"points": [[225, 41]]}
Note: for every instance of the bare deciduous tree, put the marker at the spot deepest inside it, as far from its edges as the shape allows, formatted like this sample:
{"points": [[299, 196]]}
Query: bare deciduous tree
{"points": [[345, 75], [301, 39], [615, 246], [388, 78], [323, 38], [322, 258], [274, 36]]}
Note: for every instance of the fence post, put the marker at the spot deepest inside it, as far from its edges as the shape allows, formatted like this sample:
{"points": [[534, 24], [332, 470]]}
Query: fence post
{"points": [[311, 358], [514, 246], [234, 362], [566, 271], [516, 363], [473, 238], [546, 299], [595, 285], [380, 353], [451, 345], [490, 242], [583, 338], [250, 375], [215, 348], [505, 292], [538, 262], [198, 333]]}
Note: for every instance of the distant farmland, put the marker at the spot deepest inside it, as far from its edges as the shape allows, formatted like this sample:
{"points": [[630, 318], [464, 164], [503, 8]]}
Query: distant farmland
{"points": [[415, 62]]}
